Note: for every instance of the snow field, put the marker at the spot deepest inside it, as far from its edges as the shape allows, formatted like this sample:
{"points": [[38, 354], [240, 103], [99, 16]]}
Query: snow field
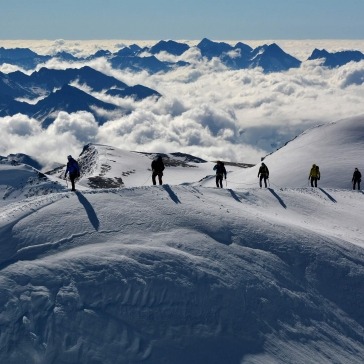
{"points": [[185, 274]]}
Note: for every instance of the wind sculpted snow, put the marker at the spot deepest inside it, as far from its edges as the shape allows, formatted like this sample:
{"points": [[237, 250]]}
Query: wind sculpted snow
{"points": [[184, 273]]}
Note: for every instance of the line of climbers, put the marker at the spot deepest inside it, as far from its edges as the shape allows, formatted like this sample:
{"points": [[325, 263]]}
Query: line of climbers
{"points": [[158, 167], [263, 174], [315, 176]]}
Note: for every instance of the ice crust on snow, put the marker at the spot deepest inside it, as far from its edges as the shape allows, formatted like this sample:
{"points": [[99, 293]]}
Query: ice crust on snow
{"points": [[186, 273]]}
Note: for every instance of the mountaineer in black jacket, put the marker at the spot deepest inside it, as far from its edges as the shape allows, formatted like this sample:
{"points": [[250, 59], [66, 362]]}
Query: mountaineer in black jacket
{"points": [[264, 174], [157, 170], [220, 173], [74, 171], [356, 178]]}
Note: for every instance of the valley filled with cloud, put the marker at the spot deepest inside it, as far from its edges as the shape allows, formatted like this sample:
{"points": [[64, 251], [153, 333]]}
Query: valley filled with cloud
{"points": [[206, 108]]}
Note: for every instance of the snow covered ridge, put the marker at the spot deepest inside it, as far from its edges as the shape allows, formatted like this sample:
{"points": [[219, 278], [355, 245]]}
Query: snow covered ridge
{"points": [[104, 166], [183, 274], [337, 148]]}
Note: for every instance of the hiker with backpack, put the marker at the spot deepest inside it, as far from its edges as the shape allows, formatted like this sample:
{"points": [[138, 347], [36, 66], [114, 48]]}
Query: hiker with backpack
{"points": [[264, 174], [356, 178], [220, 173], [157, 169], [73, 169], [314, 175]]}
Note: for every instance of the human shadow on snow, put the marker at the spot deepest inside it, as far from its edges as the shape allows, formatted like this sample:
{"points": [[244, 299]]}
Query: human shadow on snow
{"points": [[329, 196], [277, 197], [234, 195], [171, 194], [89, 210]]}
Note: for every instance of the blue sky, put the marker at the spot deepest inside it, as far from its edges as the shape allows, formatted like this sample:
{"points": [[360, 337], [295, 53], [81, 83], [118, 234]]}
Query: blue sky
{"points": [[177, 19]]}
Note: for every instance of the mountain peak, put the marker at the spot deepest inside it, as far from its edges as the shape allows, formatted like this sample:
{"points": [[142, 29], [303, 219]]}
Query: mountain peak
{"points": [[212, 49], [336, 59], [170, 47], [272, 58], [69, 99]]}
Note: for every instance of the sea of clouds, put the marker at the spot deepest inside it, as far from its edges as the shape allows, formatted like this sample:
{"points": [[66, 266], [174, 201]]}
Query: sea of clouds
{"points": [[206, 110]]}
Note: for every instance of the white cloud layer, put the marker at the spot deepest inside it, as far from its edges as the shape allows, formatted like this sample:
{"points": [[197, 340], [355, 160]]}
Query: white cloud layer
{"points": [[205, 110]]}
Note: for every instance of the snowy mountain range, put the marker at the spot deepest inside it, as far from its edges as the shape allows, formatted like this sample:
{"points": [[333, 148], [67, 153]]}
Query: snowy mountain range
{"points": [[268, 56], [125, 272]]}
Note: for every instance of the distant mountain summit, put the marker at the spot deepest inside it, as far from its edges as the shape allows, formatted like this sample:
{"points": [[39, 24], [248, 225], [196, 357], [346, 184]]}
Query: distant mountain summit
{"points": [[336, 59], [272, 59], [69, 99], [137, 92], [210, 49], [170, 47], [126, 60], [22, 57], [68, 57], [269, 57], [10, 88], [99, 54]]}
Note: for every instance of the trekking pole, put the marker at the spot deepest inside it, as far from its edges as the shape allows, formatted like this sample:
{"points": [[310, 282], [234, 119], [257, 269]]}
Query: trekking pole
{"points": [[146, 180], [268, 183]]}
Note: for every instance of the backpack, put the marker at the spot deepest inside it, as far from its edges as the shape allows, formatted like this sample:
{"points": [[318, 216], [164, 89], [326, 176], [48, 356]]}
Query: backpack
{"points": [[73, 167], [220, 168], [318, 172], [264, 170], [158, 165]]}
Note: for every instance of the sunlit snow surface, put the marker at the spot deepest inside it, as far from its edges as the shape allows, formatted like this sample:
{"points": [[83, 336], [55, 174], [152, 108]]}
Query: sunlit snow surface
{"points": [[184, 272]]}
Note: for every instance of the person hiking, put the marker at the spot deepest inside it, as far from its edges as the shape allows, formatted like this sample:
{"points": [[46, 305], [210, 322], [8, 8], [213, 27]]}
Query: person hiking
{"points": [[314, 175], [73, 169], [220, 173], [356, 178], [264, 174], [157, 169]]}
